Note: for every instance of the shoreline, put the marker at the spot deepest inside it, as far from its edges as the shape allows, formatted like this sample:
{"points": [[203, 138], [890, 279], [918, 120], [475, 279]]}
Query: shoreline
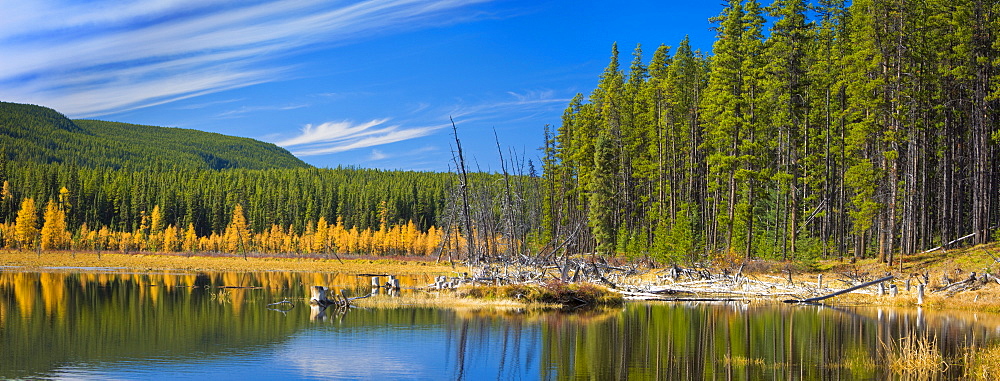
{"points": [[985, 299], [218, 262]]}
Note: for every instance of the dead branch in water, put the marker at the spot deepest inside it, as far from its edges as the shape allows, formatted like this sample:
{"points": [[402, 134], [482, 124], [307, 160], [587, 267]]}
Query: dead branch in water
{"points": [[841, 292]]}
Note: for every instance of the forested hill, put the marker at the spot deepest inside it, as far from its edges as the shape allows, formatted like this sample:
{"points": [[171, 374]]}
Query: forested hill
{"points": [[43, 135]]}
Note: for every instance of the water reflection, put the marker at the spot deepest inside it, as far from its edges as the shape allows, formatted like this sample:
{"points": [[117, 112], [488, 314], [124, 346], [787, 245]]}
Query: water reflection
{"points": [[101, 324]]}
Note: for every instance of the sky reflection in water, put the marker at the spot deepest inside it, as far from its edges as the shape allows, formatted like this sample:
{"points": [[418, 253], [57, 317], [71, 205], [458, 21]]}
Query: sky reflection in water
{"points": [[108, 325]]}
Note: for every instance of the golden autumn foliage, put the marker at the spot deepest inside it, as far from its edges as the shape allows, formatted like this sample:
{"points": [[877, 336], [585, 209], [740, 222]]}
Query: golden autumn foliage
{"points": [[237, 234], [155, 235], [26, 224], [54, 233]]}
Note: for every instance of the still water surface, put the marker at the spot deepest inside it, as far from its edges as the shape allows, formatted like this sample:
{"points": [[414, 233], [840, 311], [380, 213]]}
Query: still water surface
{"points": [[109, 324]]}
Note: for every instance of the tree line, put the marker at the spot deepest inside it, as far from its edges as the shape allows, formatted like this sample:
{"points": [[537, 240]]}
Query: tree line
{"points": [[342, 210], [812, 129]]}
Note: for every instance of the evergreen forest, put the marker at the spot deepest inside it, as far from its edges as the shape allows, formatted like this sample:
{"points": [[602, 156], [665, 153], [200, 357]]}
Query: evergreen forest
{"points": [[43, 135], [813, 129]]}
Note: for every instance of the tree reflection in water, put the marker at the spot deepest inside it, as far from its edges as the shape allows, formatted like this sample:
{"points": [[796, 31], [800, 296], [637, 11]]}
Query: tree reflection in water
{"points": [[53, 324]]}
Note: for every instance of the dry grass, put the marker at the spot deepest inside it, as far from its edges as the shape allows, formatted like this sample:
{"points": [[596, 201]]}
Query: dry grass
{"points": [[147, 262], [858, 361], [555, 292], [742, 361], [918, 357], [982, 364]]}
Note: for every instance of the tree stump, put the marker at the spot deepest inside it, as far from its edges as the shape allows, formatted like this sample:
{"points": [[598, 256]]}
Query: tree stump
{"points": [[319, 296]]}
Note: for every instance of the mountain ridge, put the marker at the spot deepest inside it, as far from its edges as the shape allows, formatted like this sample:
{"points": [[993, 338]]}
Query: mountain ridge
{"points": [[43, 135]]}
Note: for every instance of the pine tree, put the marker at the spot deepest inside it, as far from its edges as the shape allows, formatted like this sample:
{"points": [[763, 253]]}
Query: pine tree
{"points": [[601, 205], [722, 112]]}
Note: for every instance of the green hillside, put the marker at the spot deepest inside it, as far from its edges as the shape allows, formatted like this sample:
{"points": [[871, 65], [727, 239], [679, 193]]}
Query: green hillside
{"points": [[43, 135]]}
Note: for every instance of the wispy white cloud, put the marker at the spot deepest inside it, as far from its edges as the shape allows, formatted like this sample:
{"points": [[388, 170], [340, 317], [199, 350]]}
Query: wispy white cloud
{"points": [[107, 56], [334, 137], [250, 109], [209, 104], [525, 104], [341, 136], [377, 155]]}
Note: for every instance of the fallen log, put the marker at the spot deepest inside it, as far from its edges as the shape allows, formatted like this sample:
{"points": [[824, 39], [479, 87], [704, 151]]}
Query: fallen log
{"points": [[841, 292]]}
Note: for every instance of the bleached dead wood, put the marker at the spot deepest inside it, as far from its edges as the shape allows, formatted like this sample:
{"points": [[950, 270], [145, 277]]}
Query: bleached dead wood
{"points": [[841, 292]]}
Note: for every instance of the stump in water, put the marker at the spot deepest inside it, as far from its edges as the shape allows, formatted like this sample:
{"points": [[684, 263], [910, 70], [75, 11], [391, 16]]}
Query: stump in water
{"points": [[393, 283], [319, 296]]}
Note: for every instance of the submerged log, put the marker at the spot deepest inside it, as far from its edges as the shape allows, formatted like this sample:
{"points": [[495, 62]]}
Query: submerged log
{"points": [[841, 292]]}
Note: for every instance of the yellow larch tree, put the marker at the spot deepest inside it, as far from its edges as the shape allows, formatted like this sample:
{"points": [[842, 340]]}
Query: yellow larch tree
{"points": [[26, 223], [341, 237], [190, 239], [237, 235], [306, 240], [290, 240], [83, 238], [320, 236], [7, 235], [171, 241], [103, 239], [155, 241], [276, 237]]}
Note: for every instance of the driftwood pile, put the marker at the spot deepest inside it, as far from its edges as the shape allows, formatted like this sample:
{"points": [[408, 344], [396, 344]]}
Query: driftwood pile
{"points": [[540, 270], [701, 284], [961, 283], [320, 298]]}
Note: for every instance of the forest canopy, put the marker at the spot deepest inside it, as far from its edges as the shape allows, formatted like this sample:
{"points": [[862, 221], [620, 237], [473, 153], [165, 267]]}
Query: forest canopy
{"points": [[43, 135], [812, 129]]}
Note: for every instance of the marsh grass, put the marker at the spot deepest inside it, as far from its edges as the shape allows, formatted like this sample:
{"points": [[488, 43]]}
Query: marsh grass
{"points": [[915, 356], [742, 361], [858, 362], [207, 262], [555, 292], [981, 363], [222, 296]]}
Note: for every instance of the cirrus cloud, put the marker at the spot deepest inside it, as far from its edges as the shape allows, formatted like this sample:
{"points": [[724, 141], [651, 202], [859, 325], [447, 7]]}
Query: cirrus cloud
{"points": [[108, 56], [334, 137]]}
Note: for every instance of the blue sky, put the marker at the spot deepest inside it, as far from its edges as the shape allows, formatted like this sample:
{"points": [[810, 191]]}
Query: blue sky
{"points": [[361, 83]]}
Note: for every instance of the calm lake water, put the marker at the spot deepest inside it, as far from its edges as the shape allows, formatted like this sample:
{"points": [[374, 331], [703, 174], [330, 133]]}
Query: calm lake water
{"points": [[109, 324]]}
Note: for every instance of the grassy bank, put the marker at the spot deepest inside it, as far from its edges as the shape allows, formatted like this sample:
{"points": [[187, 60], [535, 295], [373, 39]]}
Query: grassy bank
{"points": [[941, 268], [938, 266], [149, 262]]}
